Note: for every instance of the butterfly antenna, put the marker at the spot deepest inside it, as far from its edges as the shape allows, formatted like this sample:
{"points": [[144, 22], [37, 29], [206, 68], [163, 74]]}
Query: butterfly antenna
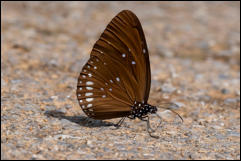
{"points": [[168, 108]]}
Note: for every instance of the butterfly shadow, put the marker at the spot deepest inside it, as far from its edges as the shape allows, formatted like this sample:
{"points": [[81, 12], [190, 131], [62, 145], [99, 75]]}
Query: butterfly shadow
{"points": [[81, 120]]}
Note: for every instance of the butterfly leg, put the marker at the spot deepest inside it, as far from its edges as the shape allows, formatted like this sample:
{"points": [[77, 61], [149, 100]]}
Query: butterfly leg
{"points": [[119, 123], [148, 127], [148, 123]]}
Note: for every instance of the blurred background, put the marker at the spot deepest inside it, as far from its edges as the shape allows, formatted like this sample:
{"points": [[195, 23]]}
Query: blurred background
{"points": [[194, 51]]}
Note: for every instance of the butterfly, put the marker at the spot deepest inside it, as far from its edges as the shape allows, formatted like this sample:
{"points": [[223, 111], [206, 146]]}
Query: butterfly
{"points": [[115, 82]]}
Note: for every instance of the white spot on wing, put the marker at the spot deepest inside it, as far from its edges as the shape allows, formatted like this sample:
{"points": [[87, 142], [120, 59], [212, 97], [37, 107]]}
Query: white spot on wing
{"points": [[89, 99], [80, 101], [118, 79], [80, 88], [89, 83], [103, 96], [102, 89], [89, 88], [88, 94], [123, 55], [79, 95], [90, 75], [89, 105], [133, 62], [84, 76], [110, 89], [111, 81], [80, 82], [144, 51], [95, 67]]}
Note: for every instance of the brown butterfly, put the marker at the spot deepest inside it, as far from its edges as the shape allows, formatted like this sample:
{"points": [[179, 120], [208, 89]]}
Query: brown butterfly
{"points": [[115, 82]]}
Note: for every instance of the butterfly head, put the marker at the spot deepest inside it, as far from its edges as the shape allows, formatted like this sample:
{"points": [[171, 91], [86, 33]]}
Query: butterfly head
{"points": [[153, 109]]}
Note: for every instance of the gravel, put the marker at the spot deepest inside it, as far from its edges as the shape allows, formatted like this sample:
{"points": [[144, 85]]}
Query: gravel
{"points": [[195, 63]]}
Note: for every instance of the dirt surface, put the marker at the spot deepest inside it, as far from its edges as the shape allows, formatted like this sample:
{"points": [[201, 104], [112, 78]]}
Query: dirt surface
{"points": [[195, 61]]}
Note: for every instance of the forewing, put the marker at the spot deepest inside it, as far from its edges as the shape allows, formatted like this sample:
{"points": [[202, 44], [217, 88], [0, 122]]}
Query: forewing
{"points": [[118, 71]]}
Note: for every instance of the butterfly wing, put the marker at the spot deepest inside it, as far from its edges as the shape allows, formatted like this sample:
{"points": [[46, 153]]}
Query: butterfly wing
{"points": [[118, 71]]}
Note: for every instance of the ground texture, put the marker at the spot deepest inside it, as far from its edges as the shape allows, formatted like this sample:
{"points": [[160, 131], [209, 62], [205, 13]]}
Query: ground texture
{"points": [[195, 61]]}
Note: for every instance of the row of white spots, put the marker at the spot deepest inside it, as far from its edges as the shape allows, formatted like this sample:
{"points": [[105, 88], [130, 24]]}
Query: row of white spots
{"points": [[88, 88], [89, 99], [87, 83]]}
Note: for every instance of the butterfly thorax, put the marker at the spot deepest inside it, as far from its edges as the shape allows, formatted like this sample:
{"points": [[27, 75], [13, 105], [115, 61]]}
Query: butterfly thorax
{"points": [[141, 110]]}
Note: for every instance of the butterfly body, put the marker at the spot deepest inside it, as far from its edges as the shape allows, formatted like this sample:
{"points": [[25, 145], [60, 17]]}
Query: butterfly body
{"points": [[141, 110]]}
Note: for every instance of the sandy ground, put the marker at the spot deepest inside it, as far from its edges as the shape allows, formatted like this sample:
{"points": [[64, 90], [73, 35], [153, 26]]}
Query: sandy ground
{"points": [[195, 61]]}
